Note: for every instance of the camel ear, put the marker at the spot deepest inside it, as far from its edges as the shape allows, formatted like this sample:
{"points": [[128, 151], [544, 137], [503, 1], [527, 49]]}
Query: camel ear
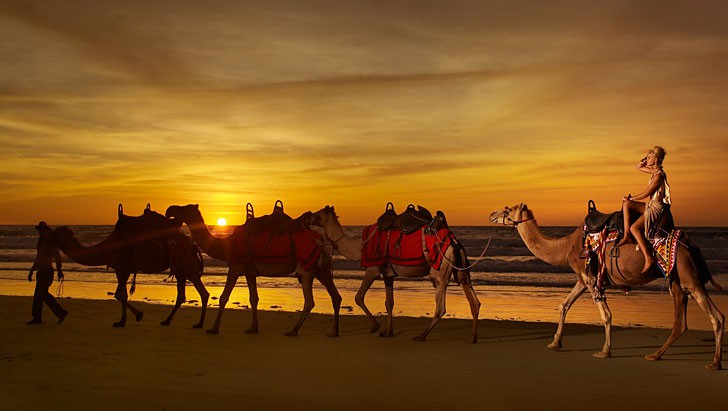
{"points": [[197, 206]]}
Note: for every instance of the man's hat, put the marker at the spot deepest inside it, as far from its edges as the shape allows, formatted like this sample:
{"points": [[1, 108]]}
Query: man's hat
{"points": [[42, 226]]}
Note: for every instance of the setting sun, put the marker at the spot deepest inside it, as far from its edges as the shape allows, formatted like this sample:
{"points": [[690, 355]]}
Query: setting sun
{"points": [[221, 222]]}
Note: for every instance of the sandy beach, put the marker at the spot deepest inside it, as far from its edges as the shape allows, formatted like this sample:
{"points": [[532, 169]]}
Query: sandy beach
{"points": [[84, 363]]}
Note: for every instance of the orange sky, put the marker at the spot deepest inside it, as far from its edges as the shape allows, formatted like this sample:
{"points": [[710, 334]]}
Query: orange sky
{"points": [[462, 106]]}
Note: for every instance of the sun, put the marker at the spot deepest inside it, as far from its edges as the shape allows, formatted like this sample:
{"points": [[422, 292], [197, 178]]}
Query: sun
{"points": [[221, 222]]}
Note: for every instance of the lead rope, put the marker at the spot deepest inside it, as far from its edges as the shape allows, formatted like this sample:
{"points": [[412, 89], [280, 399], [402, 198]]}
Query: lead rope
{"points": [[480, 258], [59, 291]]}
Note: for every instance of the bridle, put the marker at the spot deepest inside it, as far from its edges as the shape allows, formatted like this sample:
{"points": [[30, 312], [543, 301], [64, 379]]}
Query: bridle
{"points": [[507, 220]]}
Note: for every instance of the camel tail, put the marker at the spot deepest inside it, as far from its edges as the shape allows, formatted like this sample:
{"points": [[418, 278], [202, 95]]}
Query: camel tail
{"points": [[133, 285], [702, 265], [327, 263], [461, 260], [199, 259]]}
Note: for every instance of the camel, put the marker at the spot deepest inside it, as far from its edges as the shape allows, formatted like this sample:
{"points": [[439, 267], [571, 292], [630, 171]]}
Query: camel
{"points": [[149, 243], [351, 248], [688, 278], [218, 248]]}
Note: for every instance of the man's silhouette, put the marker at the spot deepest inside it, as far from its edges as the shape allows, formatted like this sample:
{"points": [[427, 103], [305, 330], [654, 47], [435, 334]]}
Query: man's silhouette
{"points": [[43, 264]]}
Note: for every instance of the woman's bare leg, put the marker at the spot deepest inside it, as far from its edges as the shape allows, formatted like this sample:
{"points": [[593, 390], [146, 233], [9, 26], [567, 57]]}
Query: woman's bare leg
{"points": [[637, 231], [628, 205]]}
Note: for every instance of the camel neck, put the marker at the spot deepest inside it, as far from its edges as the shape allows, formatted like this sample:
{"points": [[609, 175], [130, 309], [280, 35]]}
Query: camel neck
{"points": [[215, 247], [555, 251], [349, 247], [102, 253]]}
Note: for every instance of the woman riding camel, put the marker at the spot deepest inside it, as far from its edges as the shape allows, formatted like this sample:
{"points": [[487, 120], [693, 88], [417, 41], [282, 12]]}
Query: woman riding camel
{"points": [[658, 193]]}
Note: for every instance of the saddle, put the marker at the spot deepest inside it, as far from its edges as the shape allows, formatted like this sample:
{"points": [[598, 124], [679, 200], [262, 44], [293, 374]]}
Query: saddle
{"points": [[411, 220], [596, 221], [276, 223], [146, 237], [148, 226]]}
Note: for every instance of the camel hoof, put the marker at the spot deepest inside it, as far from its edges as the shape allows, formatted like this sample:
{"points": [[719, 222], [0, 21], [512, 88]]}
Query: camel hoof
{"points": [[386, 334], [292, 333], [374, 328], [471, 340], [213, 331], [119, 324], [652, 357], [602, 354], [714, 366], [165, 322], [554, 346], [139, 316], [197, 325], [333, 334], [420, 337], [251, 331]]}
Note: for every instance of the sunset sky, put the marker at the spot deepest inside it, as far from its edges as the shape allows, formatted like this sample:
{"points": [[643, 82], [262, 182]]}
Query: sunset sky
{"points": [[464, 106]]}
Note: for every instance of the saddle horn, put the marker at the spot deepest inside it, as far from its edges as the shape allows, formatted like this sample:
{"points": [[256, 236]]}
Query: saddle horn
{"points": [[278, 208], [121, 210], [149, 207], [249, 212]]}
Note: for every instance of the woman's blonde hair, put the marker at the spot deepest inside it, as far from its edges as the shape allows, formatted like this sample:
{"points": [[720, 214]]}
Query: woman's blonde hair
{"points": [[659, 153]]}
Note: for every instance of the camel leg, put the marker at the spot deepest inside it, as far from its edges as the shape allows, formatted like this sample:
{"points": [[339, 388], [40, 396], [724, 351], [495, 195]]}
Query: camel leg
{"points": [[474, 307], [389, 305], [204, 297], [232, 278], [253, 298], [122, 296], [370, 275], [440, 291], [564, 307], [181, 297], [327, 281], [679, 325], [717, 319], [606, 315], [308, 303]]}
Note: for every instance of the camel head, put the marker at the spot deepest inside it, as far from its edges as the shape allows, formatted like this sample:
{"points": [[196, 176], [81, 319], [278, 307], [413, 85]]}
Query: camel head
{"points": [[187, 213], [515, 215], [324, 216], [62, 235]]}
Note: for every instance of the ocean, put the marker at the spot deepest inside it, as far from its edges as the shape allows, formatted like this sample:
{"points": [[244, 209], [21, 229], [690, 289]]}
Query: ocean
{"points": [[511, 283]]}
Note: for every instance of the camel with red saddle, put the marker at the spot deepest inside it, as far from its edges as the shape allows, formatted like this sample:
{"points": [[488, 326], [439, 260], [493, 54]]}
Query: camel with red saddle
{"points": [[253, 250], [438, 253], [688, 276]]}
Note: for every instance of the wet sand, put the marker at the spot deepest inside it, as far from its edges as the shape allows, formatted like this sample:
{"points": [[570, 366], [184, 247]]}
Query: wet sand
{"points": [[84, 363], [639, 308]]}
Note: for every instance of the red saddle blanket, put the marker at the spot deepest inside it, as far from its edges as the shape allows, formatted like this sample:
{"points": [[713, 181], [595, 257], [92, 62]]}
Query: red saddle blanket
{"points": [[394, 247], [301, 247]]}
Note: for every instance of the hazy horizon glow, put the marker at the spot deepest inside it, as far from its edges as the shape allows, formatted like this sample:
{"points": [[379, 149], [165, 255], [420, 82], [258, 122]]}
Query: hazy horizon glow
{"points": [[466, 107]]}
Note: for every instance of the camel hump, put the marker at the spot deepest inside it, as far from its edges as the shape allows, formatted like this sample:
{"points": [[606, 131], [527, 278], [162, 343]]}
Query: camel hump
{"points": [[121, 210]]}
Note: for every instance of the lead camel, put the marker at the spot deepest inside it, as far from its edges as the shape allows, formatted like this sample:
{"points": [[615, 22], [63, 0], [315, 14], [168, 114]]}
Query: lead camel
{"points": [[689, 276]]}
